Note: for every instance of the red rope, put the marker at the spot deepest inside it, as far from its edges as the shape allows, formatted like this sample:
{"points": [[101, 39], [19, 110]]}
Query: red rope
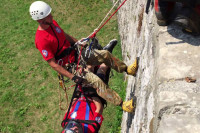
{"points": [[94, 34]]}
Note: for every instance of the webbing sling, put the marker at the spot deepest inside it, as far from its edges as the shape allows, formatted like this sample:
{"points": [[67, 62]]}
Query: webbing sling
{"points": [[64, 53]]}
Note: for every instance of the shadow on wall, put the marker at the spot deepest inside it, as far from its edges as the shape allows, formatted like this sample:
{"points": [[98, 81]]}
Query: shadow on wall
{"points": [[177, 32]]}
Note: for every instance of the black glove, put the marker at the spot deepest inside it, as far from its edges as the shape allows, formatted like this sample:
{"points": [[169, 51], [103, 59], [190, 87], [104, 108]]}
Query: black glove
{"points": [[77, 79]]}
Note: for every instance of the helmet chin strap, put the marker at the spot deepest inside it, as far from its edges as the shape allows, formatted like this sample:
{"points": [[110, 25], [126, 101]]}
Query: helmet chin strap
{"points": [[43, 22], [46, 23]]}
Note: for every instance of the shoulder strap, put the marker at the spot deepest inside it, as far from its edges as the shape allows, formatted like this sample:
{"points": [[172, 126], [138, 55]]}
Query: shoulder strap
{"points": [[65, 52], [57, 40]]}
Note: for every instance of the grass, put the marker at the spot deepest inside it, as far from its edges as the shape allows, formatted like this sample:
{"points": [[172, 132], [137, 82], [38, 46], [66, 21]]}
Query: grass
{"points": [[28, 86]]}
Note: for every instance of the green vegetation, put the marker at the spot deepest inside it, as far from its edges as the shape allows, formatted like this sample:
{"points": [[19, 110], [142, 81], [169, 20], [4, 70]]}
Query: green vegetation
{"points": [[28, 86]]}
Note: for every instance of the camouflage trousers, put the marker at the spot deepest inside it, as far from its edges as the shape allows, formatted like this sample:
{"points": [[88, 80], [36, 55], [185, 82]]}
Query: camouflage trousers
{"points": [[97, 58], [102, 89]]}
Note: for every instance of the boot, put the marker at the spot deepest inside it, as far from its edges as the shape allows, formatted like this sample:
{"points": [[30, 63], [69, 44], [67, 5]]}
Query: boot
{"points": [[129, 106], [96, 44], [163, 11], [182, 19], [110, 46], [189, 20], [132, 69]]}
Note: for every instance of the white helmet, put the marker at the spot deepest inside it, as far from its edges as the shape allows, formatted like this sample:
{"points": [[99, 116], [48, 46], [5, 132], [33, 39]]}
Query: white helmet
{"points": [[39, 10]]}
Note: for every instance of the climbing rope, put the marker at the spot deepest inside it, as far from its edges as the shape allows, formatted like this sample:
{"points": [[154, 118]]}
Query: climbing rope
{"points": [[107, 14], [95, 32], [62, 85]]}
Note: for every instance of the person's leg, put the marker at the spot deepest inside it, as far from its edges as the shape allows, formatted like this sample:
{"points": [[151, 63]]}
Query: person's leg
{"points": [[102, 89], [128, 106], [102, 69], [103, 56], [97, 57], [98, 104], [103, 72], [90, 68]]}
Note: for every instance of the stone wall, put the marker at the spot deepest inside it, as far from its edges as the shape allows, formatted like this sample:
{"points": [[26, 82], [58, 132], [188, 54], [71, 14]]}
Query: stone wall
{"points": [[166, 103], [137, 33]]}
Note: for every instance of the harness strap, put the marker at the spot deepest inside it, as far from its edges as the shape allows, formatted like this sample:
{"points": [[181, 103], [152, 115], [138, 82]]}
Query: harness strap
{"points": [[89, 122], [87, 101], [64, 53], [57, 40], [64, 121], [86, 117]]}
